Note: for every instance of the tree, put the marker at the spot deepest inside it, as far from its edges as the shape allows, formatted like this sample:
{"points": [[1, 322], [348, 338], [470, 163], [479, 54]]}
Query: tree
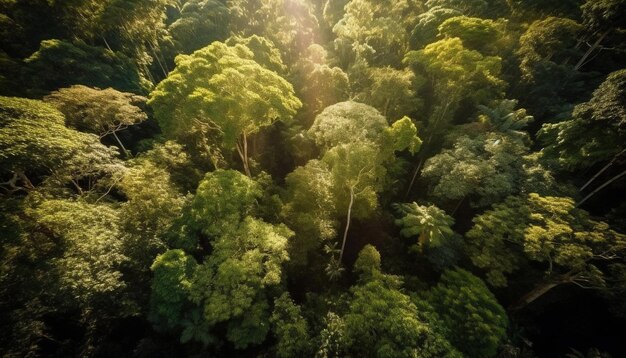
{"points": [[374, 27], [289, 24], [290, 328], [318, 84], [477, 34], [454, 74], [170, 285], [549, 231], [223, 198], [231, 284], [594, 135], [347, 122], [101, 112], [223, 87], [432, 224], [35, 145], [356, 174], [367, 264], [152, 205], [600, 18], [309, 209], [90, 66], [595, 132], [383, 322], [485, 168], [475, 323], [548, 83], [200, 23], [426, 29], [392, 92]]}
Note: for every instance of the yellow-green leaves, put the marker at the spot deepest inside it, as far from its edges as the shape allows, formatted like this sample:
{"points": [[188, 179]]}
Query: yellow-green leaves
{"points": [[548, 230], [223, 87]]}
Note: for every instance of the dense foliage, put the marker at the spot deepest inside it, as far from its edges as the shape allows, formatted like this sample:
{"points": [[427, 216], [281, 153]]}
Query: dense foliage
{"points": [[312, 178]]}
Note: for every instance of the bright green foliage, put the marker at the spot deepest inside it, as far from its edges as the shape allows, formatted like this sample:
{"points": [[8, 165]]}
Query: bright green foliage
{"points": [[456, 73], [152, 205], [290, 328], [265, 52], [90, 266], [34, 142], [376, 28], [596, 132], [486, 168], [98, 111], [319, 85], [309, 209], [290, 24], [546, 230], [89, 66], [347, 122], [403, 135], [201, 22], [230, 285], [383, 322], [357, 175], [332, 337], [432, 224], [223, 87], [475, 323], [367, 264], [477, 34], [352, 122], [222, 200], [170, 285], [391, 91], [459, 71], [428, 23]]}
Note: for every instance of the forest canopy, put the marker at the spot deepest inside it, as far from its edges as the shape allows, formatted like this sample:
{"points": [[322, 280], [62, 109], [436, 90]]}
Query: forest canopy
{"points": [[313, 178]]}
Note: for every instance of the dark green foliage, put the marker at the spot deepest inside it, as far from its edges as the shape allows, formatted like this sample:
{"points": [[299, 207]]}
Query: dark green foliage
{"points": [[217, 178], [475, 323], [89, 66]]}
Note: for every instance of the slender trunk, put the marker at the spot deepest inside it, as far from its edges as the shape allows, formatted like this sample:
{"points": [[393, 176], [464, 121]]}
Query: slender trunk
{"points": [[603, 169], [156, 57], [121, 145], [417, 169], [430, 137], [242, 149], [386, 108], [601, 187], [534, 294], [458, 205], [348, 218], [106, 43], [593, 47]]}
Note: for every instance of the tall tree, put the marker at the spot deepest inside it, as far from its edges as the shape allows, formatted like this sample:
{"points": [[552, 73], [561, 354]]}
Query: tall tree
{"points": [[549, 231], [224, 88]]}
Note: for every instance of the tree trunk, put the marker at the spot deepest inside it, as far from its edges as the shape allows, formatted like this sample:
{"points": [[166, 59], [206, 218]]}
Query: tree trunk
{"points": [[595, 45], [603, 169], [601, 187], [348, 217], [106, 42], [242, 149], [534, 294], [121, 145]]}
